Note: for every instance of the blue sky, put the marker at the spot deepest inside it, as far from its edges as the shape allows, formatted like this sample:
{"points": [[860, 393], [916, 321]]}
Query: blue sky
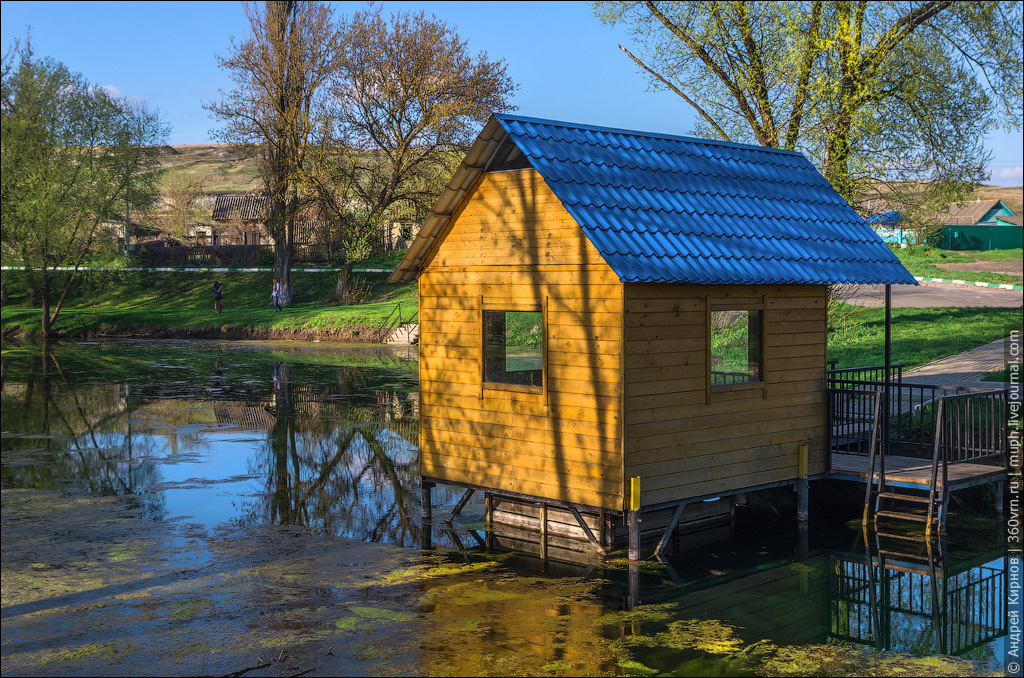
{"points": [[566, 62]]}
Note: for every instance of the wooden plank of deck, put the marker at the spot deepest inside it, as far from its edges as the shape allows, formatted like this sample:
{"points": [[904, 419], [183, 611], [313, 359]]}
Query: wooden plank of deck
{"points": [[909, 472]]}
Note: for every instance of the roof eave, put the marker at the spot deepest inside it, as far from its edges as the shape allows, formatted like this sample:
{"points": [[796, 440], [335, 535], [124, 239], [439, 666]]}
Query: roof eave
{"points": [[449, 203]]}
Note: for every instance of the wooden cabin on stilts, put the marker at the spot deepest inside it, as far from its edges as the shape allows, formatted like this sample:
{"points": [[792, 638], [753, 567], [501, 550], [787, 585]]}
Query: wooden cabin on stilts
{"points": [[619, 325]]}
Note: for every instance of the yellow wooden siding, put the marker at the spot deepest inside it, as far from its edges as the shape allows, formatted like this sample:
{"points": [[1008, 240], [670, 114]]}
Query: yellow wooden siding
{"points": [[513, 245], [682, 445]]}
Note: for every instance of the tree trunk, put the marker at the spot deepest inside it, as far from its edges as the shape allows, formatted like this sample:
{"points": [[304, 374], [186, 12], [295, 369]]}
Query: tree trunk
{"points": [[283, 268], [344, 275], [44, 294]]}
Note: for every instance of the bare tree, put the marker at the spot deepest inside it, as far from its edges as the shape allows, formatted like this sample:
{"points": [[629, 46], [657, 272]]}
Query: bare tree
{"points": [[410, 98], [278, 105]]}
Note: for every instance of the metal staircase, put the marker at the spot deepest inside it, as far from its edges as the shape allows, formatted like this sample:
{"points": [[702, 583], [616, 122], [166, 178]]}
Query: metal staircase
{"points": [[913, 504]]}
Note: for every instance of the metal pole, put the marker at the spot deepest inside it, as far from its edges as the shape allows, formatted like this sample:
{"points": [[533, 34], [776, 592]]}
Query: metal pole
{"points": [[888, 370]]}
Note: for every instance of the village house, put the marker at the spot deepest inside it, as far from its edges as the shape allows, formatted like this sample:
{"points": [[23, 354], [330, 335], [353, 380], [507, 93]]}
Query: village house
{"points": [[617, 322], [982, 225], [237, 220]]}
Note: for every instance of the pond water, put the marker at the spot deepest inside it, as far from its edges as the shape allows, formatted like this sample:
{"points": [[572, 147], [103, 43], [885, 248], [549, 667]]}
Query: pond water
{"points": [[185, 489]]}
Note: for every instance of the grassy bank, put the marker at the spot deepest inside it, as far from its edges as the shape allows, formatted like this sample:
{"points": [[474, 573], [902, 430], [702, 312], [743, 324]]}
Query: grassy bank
{"points": [[919, 335], [137, 303], [924, 262], [181, 304]]}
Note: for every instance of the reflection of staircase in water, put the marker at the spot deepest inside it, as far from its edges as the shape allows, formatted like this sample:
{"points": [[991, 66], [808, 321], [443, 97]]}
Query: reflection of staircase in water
{"points": [[905, 594]]}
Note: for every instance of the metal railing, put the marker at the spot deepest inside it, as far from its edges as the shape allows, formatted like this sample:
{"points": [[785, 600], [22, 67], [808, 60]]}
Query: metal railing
{"points": [[910, 410], [730, 378], [973, 427], [393, 321], [865, 374]]}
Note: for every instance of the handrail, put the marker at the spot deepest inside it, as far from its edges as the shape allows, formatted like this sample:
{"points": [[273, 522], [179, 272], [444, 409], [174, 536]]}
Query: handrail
{"points": [[388, 325], [848, 374], [871, 458], [940, 449], [382, 332]]}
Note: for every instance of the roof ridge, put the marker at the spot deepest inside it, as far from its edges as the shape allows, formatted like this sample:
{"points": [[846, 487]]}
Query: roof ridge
{"points": [[641, 133]]}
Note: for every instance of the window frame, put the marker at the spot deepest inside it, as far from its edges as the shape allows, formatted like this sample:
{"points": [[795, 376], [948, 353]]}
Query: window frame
{"points": [[717, 392], [516, 307]]}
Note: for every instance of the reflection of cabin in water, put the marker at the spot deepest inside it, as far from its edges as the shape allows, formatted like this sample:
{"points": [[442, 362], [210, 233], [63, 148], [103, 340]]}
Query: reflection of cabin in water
{"points": [[619, 322]]}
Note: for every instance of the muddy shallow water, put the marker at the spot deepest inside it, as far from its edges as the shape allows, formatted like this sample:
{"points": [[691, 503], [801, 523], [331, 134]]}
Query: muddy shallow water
{"points": [[209, 508]]}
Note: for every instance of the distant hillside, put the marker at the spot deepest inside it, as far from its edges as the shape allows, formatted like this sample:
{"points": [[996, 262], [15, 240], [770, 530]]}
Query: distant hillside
{"points": [[219, 170], [223, 172]]}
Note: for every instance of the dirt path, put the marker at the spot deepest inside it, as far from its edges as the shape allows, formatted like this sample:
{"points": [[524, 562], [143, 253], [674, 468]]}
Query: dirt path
{"points": [[1007, 267]]}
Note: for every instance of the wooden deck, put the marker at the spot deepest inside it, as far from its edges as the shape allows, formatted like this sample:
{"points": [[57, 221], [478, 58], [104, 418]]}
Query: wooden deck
{"points": [[915, 473]]}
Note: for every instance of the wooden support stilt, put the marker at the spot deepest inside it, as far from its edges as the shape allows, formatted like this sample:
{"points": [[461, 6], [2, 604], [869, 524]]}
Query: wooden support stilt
{"points": [[425, 509], [426, 531], [801, 484], [670, 528], [801, 500], [633, 527], [1000, 489], [586, 529], [459, 506], [634, 586], [633, 518]]}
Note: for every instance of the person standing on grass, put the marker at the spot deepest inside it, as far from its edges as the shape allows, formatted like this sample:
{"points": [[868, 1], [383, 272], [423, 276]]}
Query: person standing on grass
{"points": [[217, 303], [275, 294]]}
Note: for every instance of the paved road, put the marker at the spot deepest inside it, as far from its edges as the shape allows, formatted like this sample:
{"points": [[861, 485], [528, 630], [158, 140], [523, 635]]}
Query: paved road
{"points": [[934, 295]]}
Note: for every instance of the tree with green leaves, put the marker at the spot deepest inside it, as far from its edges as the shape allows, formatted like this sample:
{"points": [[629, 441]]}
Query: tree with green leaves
{"points": [[184, 192], [73, 158], [409, 99], [882, 96], [278, 109]]}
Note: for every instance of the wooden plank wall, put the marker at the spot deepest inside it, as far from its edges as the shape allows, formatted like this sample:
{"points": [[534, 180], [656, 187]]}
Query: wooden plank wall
{"points": [[682, 445], [513, 245]]}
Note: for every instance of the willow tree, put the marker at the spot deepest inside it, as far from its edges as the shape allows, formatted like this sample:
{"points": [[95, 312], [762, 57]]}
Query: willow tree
{"points": [[410, 97], [278, 104], [882, 96], [73, 157]]}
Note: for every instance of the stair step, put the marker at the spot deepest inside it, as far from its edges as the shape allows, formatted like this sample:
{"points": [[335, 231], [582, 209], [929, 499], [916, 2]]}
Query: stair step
{"points": [[917, 537], [905, 497], [904, 555], [902, 516]]}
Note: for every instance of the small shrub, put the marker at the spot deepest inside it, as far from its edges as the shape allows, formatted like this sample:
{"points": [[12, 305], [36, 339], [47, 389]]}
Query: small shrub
{"points": [[264, 258]]}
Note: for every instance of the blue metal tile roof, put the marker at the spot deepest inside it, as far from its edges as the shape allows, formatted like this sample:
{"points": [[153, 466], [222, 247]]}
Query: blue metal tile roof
{"points": [[663, 208]]}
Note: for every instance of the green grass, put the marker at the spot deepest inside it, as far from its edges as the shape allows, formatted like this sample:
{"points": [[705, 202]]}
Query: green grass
{"points": [[929, 255], [997, 255], [921, 335], [114, 302], [998, 375], [921, 261]]}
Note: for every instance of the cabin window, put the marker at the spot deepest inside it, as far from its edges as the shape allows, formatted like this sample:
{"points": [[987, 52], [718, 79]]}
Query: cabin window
{"points": [[736, 341], [514, 348]]}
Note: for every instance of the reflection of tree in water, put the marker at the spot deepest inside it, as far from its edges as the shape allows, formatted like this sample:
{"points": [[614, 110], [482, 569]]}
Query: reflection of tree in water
{"points": [[338, 467], [68, 433]]}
